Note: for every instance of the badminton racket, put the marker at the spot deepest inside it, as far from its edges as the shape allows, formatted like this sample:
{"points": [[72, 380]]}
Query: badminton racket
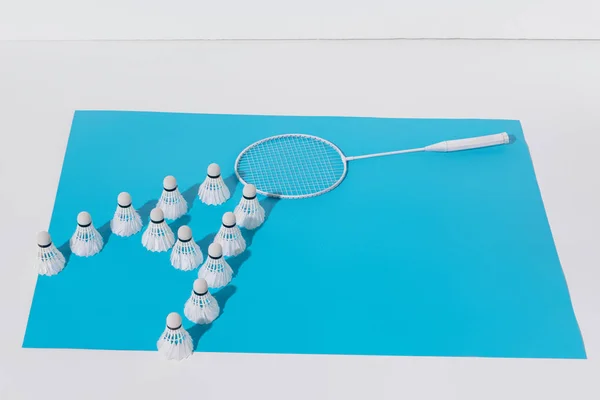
{"points": [[296, 166]]}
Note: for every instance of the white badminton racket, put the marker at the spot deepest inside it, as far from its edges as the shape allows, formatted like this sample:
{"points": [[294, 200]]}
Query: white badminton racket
{"points": [[296, 166]]}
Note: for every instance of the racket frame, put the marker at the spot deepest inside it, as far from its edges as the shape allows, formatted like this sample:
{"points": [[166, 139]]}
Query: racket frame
{"points": [[298, 135]]}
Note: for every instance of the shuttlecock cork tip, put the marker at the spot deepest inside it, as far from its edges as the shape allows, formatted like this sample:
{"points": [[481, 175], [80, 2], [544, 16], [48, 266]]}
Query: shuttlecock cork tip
{"points": [[43, 238], [214, 171], [200, 286], [215, 250], [228, 219], [124, 199], [184, 233], [157, 215], [169, 183], [84, 218], [249, 191], [173, 320]]}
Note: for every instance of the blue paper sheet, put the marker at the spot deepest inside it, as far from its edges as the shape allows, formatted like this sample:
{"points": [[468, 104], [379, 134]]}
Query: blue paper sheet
{"points": [[424, 254]]}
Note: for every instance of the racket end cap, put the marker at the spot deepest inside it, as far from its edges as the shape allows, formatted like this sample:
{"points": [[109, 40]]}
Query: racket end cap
{"points": [[184, 233], [200, 285], [84, 218], [215, 250], [174, 320], [124, 199], [169, 182], [249, 190], [214, 169], [157, 214], [43, 238], [228, 218]]}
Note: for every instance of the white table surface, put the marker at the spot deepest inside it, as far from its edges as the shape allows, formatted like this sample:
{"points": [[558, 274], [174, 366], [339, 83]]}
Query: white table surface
{"points": [[293, 19], [552, 87]]}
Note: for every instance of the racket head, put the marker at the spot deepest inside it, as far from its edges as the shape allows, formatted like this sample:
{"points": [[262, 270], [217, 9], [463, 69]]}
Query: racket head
{"points": [[292, 166]]}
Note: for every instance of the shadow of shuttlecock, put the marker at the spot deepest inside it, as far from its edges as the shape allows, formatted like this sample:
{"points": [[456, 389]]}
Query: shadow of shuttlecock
{"points": [[145, 210], [65, 249], [236, 262], [231, 182], [268, 204], [206, 241], [179, 222], [105, 231], [222, 296], [190, 195]]}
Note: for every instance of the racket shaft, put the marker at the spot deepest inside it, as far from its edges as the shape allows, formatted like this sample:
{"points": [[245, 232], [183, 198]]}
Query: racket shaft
{"points": [[389, 153], [470, 143]]}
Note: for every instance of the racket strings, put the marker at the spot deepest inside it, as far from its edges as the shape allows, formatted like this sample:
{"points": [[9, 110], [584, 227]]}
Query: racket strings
{"points": [[292, 166]]}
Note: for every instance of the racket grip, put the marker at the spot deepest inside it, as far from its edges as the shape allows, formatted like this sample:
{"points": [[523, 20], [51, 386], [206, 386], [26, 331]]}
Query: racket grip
{"points": [[470, 143]]}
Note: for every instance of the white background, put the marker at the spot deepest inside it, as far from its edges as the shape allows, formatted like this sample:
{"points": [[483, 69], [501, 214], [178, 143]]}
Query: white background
{"points": [[293, 19], [552, 87]]}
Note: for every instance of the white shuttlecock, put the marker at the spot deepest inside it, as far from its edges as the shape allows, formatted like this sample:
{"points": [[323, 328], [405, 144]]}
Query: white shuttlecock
{"points": [[230, 237], [215, 270], [249, 213], [126, 221], [158, 236], [175, 343], [201, 307], [213, 191], [50, 261], [86, 241], [171, 201], [186, 254]]}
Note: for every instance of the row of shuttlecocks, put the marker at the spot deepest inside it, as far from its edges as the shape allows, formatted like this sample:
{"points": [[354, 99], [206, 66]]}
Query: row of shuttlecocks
{"points": [[186, 255]]}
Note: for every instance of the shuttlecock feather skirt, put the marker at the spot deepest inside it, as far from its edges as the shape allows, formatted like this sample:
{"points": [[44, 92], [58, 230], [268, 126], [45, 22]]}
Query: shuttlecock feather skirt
{"points": [[186, 255], [249, 213], [216, 272], [126, 221], [175, 344], [158, 237], [172, 204], [50, 261], [201, 308], [86, 241], [214, 191], [231, 240]]}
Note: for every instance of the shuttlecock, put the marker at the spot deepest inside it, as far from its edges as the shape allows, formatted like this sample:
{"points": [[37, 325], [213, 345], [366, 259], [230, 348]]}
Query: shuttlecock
{"points": [[186, 254], [126, 221], [249, 213], [175, 343], [158, 236], [50, 261], [86, 241], [230, 237], [171, 201], [201, 307], [213, 191], [215, 270]]}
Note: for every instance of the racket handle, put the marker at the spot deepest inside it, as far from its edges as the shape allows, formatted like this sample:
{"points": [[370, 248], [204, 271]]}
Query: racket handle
{"points": [[470, 143]]}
